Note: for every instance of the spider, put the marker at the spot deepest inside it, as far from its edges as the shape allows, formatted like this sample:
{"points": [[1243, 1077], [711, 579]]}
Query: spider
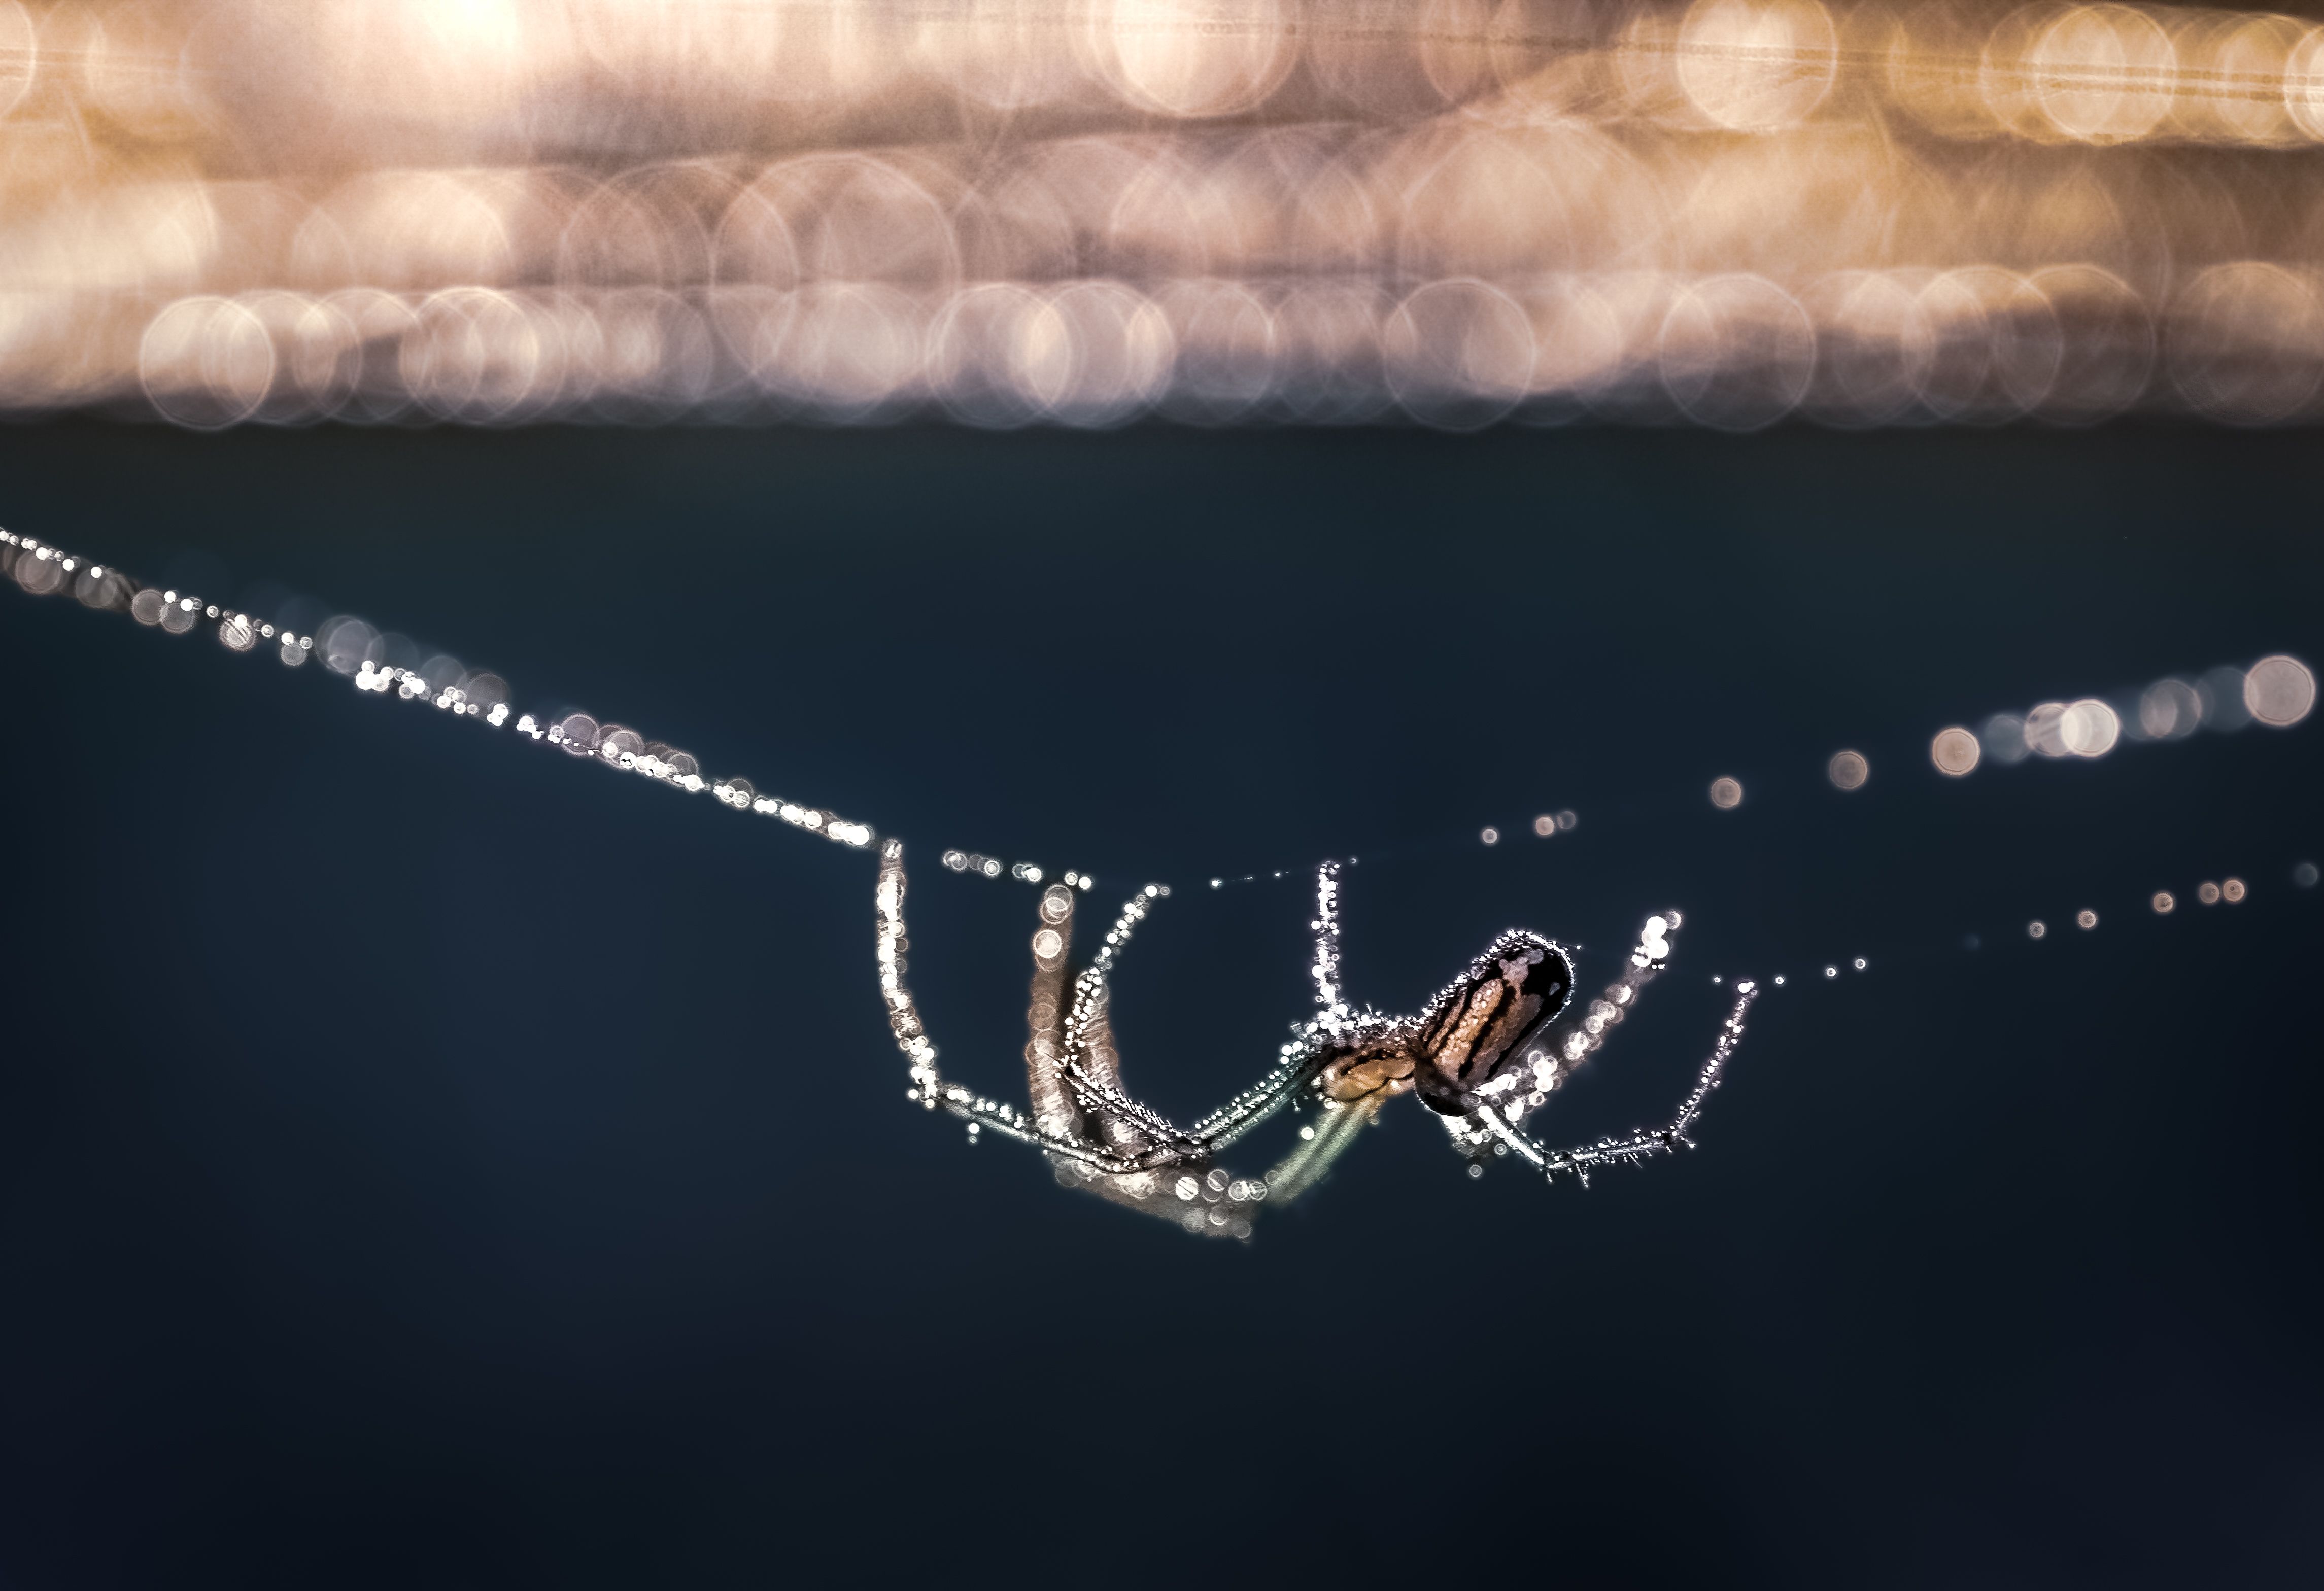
{"points": [[1483, 1056]]}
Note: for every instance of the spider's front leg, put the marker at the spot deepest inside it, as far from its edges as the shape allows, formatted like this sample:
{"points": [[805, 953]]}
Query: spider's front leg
{"points": [[1663, 1140], [1559, 1050]]}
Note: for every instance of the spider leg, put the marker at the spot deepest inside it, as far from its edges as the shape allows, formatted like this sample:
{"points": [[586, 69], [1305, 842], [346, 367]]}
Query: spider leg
{"points": [[1159, 1177], [1583, 1159], [1336, 1129], [1212, 1202], [1326, 970], [1090, 1069], [1045, 1017], [928, 1085], [1075, 1076], [1092, 1063], [1558, 1050]]}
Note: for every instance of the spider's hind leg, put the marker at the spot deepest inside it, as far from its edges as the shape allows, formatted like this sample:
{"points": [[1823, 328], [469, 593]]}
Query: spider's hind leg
{"points": [[930, 1087], [1045, 1017], [1091, 1067], [1090, 1063]]}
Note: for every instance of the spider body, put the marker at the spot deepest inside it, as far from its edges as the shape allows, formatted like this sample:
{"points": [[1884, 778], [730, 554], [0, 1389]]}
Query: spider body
{"points": [[1475, 1032], [1486, 1051]]}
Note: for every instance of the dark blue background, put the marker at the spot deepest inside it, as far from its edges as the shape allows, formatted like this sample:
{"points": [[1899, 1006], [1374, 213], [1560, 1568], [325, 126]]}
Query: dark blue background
{"points": [[425, 1160]]}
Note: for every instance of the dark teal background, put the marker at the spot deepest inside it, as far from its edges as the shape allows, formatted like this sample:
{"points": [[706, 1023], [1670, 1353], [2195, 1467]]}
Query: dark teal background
{"points": [[425, 1160]]}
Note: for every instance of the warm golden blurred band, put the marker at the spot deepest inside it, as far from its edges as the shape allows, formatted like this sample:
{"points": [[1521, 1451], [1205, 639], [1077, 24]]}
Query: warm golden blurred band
{"points": [[1222, 211]]}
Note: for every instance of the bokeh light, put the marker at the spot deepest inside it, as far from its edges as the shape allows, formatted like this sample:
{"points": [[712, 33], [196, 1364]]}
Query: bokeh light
{"points": [[1955, 752], [1726, 794], [2088, 728], [2004, 738], [2170, 708], [2279, 691], [1010, 212]]}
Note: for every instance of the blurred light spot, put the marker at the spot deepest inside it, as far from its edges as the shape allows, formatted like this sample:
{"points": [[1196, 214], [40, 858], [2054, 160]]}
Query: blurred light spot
{"points": [[38, 574], [1757, 65], [1848, 771], [2102, 73], [1545, 824], [1954, 752], [1197, 57], [2208, 893], [2221, 692], [1566, 820], [2170, 708], [2231, 891], [2303, 874], [1726, 794], [20, 55], [2279, 691], [2036, 929], [1458, 355], [2164, 903], [1737, 353], [1491, 836], [2246, 343], [2088, 728], [347, 644], [2005, 739], [2086, 919], [205, 362], [2045, 730]]}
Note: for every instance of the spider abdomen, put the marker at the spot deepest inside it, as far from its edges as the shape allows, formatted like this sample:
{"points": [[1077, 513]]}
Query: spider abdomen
{"points": [[1475, 1029]]}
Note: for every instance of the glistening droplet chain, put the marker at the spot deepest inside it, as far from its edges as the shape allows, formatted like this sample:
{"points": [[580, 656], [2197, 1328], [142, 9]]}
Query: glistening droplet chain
{"points": [[346, 646], [42, 569]]}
